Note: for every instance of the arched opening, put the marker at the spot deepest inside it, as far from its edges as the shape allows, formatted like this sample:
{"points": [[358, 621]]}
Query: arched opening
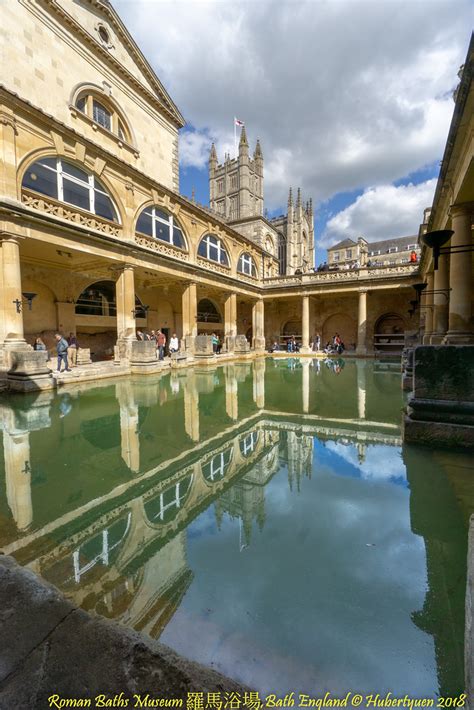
{"points": [[208, 317], [96, 319], [290, 328], [342, 324], [389, 333]]}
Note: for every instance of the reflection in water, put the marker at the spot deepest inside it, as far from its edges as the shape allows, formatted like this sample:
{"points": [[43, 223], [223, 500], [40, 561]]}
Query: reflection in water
{"points": [[261, 509]]}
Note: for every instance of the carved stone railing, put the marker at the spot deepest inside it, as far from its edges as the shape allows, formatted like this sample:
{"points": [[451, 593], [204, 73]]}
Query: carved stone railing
{"points": [[212, 266], [355, 275], [70, 213], [160, 247]]}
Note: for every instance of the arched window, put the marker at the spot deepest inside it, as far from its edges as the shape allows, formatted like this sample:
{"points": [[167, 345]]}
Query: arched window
{"points": [[65, 182], [212, 248], [215, 469], [160, 225], [248, 443], [103, 112], [246, 265]]}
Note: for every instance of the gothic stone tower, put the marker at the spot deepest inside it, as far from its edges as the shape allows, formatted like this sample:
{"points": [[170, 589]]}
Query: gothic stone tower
{"points": [[236, 186], [236, 195]]}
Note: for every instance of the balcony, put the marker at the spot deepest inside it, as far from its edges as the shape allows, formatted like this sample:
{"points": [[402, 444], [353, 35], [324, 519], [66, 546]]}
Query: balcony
{"points": [[372, 273]]}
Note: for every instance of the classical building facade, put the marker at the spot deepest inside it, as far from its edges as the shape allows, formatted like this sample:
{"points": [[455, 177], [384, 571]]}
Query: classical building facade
{"points": [[96, 239], [386, 252]]}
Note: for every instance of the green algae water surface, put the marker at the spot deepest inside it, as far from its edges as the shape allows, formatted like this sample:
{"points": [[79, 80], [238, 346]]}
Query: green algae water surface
{"points": [[262, 518]]}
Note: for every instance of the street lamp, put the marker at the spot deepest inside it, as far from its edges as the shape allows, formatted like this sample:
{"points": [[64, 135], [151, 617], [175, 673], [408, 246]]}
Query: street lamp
{"points": [[435, 240], [27, 298]]}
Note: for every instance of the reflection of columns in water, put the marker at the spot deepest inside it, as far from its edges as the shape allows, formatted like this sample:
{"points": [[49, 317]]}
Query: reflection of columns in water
{"points": [[259, 383], [305, 386], [361, 387], [16, 449], [129, 426], [231, 393], [191, 407]]}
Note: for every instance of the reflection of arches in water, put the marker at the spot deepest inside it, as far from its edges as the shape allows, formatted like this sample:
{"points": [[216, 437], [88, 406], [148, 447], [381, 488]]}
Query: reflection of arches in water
{"points": [[215, 469], [99, 299], [103, 432], [100, 548], [248, 443], [344, 325], [389, 324], [166, 505]]}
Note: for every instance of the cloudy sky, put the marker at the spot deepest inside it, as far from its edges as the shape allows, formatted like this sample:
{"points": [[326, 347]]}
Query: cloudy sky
{"points": [[351, 99]]}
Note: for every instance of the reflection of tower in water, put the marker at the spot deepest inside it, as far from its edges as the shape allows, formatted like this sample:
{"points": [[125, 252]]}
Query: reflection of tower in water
{"points": [[297, 453]]}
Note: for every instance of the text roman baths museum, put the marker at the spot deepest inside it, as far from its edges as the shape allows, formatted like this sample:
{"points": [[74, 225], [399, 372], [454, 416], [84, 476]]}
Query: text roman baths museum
{"points": [[227, 479]]}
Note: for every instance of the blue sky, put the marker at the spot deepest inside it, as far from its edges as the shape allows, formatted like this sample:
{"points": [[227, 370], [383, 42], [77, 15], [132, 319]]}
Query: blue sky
{"points": [[353, 114]]}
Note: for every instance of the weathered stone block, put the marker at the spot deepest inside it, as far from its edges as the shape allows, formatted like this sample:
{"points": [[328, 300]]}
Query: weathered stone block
{"points": [[444, 372], [83, 356], [203, 346], [28, 370], [241, 344]]}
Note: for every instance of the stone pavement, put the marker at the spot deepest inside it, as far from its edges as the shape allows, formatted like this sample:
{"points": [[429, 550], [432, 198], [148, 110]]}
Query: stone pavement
{"points": [[49, 646]]}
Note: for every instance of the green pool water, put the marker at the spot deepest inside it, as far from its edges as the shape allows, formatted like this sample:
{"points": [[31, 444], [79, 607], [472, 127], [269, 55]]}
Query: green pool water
{"points": [[262, 518]]}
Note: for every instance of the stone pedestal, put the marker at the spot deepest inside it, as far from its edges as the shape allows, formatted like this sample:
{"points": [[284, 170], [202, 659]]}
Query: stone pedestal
{"points": [[203, 347], [441, 410], [241, 345], [28, 370], [143, 356], [83, 356]]}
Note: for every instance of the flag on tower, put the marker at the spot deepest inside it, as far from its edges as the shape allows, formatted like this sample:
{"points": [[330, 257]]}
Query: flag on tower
{"points": [[237, 122]]}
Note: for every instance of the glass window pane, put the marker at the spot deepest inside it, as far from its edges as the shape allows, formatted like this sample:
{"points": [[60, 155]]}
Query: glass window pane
{"points": [[202, 251], [49, 162], [71, 170], [101, 115], [162, 215], [104, 207], [76, 194], [178, 239], [81, 104], [162, 231], [212, 240], [42, 180], [224, 259], [213, 253], [144, 224]]}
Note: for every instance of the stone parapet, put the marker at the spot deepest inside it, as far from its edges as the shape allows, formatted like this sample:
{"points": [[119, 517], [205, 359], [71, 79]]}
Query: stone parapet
{"points": [[50, 647], [441, 409], [28, 370]]}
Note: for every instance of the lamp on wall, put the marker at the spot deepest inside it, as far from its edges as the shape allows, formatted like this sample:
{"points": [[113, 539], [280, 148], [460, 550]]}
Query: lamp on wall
{"points": [[27, 298], [139, 309], [435, 240]]}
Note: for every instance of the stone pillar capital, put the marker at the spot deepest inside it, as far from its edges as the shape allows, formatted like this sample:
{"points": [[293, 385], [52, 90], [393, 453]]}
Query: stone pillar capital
{"points": [[463, 208], [10, 237]]}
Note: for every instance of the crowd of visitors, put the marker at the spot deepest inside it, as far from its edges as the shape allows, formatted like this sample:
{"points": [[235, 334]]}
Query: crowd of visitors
{"points": [[333, 346]]}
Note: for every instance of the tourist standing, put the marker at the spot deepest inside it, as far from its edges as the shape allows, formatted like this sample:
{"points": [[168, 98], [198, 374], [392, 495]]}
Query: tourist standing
{"points": [[61, 349], [161, 342], [39, 344], [72, 350]]}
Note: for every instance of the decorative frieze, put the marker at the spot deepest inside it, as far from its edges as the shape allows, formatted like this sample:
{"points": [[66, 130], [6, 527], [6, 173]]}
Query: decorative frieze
{"points": [[161, 247], [58, 209]]}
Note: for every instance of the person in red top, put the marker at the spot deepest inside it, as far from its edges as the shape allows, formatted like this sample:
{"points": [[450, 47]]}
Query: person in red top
{"points": [[413, 257], [160, 344]]}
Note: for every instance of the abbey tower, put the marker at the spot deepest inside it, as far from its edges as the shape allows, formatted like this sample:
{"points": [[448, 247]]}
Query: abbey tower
{"points": [[236, 195]]}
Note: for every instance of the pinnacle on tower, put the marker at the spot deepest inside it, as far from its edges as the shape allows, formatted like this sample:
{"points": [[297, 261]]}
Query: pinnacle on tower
{"points": [[213, 154], [298, 198], [311, 206], [243, 138], [258, 150], [290, 198]]}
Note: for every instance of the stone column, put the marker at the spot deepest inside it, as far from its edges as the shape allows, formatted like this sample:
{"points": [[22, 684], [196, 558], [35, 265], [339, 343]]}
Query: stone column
{"points": [[12, 334], [16, 447], [125, 298], [460, 278], [258, 324], [189, 307], [427, 302], [305, 323], [305, 384], [440, 300], [230, 321], [362, 323], [231, 393]]}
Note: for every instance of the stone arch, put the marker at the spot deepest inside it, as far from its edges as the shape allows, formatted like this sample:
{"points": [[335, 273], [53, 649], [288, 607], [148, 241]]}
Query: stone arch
{"points": [[292, 327], [208, 311], [344, 325], [389, 324]]}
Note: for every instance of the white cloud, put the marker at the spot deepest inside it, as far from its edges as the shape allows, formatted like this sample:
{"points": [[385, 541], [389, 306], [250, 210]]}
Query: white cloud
{"points": [[194, 148], [342, 94], [380, 213]]}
